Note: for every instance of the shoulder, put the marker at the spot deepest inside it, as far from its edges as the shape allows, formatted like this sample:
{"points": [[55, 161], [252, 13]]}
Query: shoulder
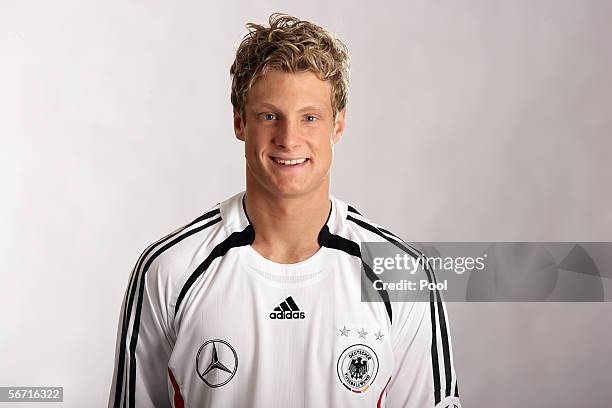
{"points": [[352, 224], [167, 260]]}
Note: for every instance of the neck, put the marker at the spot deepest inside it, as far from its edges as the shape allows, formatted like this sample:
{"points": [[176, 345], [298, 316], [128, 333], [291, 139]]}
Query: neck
{"points": [[287, 228]]}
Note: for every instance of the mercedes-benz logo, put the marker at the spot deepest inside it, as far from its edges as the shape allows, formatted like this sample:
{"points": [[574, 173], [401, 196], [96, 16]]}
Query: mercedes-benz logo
{"points": [[216, 362]]}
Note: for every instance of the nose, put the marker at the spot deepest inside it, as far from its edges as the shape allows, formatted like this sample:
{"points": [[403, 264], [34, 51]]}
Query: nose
{"points": [[287, 134]]}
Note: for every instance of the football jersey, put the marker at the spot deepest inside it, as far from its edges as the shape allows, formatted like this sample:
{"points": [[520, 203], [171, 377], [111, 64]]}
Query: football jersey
{"points": [[209, 322]]}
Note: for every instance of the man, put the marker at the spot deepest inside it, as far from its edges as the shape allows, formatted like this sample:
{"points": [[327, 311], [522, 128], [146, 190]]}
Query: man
{"points": [[256, 303]]}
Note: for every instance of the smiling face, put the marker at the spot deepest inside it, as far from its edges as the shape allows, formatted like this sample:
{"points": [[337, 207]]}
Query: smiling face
{"points": [[289, 132]]}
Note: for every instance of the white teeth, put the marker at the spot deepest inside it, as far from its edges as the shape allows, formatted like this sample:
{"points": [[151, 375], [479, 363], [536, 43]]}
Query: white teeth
{"points": [[289, 162]]}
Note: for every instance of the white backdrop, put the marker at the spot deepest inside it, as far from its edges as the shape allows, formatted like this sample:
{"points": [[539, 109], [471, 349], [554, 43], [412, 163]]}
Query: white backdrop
{"points": [[467, 121]]}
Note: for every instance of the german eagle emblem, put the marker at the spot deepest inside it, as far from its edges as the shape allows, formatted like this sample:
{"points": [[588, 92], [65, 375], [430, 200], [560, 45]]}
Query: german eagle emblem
{"points": [[358, 368]]}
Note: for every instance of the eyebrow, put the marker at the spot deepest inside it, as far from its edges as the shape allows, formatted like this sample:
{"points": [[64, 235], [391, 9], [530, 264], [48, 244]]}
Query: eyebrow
{"points": [[304, 109]]}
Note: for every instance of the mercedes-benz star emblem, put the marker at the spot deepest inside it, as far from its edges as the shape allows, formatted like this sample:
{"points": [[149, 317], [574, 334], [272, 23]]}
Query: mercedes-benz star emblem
{"points": [[216, 362]]}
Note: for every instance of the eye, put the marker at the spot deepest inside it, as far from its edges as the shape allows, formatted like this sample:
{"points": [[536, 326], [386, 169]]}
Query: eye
{"points": [[311, 118], [269, 116]]}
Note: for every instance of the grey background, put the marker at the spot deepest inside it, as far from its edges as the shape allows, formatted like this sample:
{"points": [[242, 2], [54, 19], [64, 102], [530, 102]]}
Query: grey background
{"points": [[468, 121]]}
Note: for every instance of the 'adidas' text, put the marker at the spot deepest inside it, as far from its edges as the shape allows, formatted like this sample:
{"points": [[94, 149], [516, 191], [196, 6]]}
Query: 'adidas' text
{"points": [[288, 309]]}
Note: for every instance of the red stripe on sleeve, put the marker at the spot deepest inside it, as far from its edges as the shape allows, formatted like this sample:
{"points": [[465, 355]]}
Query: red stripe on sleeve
{"points": [[178, 398], [382, 392]]}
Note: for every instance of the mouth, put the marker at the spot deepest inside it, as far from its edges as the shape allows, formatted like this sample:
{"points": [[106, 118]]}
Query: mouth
{"points": [[287, 162]]}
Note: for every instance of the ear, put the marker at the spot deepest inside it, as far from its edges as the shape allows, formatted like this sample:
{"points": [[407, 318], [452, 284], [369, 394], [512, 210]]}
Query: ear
{"points": [[238, 126], [339, 126]]}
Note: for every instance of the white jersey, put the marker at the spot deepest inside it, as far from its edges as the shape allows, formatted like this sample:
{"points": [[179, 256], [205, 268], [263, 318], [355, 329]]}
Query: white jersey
{"points": [[209, 322]]}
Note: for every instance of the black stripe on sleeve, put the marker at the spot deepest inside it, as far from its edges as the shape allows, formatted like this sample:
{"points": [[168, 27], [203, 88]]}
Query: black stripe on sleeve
{"points": [[434, 350], [445, 347], [236, 239], [120, 380], [444, 333], [389, 233]]}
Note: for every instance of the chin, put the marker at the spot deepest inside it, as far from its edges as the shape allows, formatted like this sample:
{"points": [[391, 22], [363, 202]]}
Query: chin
{"points": [[289, 192]]}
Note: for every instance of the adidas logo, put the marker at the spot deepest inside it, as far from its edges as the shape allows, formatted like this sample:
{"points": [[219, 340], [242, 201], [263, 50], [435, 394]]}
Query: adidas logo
{"points": [[287, 310]]}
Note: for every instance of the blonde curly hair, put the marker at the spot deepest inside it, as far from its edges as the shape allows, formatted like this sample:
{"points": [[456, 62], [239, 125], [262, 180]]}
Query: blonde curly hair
{"points": [[290, 45]]}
